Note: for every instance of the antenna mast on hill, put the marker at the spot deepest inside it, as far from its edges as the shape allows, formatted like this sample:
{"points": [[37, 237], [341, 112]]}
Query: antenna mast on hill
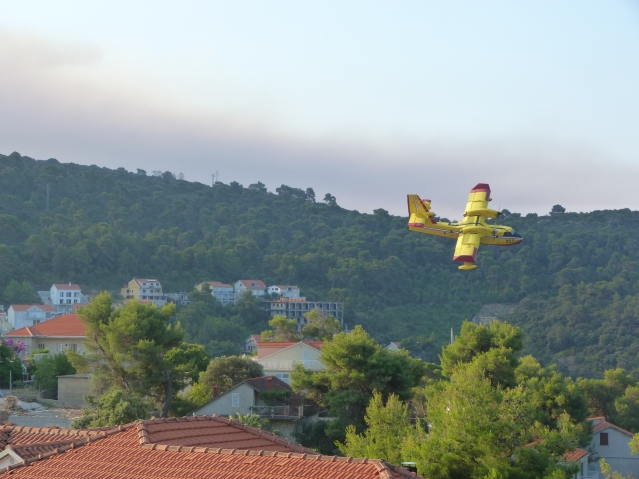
{"points": [[216, 177]]}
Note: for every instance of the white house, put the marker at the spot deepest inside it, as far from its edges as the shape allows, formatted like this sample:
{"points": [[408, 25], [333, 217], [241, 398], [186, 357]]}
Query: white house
{"points": [[255, 286], [284, 290], [613, 444], [21, 315], [224, 293], [394, 346], [64, 296], [279, 359]]}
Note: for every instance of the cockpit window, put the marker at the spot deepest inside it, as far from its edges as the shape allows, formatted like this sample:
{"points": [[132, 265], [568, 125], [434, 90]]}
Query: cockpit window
{"points": [[516, 235]]}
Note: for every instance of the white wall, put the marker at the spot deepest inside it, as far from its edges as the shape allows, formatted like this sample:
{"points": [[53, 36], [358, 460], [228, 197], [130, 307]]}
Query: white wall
{"points": [[617, 452]]}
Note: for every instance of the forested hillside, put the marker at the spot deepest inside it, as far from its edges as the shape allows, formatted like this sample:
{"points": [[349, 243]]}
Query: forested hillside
{"points": [[575, 275]]}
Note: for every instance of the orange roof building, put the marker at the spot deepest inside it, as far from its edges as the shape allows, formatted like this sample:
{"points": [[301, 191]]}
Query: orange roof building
{"points": [[205, 447], [56, 334]]}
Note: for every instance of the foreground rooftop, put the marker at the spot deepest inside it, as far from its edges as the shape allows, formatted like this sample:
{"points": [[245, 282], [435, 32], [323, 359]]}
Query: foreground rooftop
{"points": [[190, 447]]}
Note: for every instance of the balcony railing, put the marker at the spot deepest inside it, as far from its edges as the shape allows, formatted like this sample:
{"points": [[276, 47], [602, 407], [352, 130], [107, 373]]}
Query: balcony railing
{"points": [[289, 365], [278, 411]]}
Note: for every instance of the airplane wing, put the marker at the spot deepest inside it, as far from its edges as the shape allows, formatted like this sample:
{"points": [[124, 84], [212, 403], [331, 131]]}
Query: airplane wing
{"points": [[478, 202], [466, 250]]}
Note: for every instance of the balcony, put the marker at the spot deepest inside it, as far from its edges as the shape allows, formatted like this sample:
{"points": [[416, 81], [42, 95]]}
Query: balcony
{"points": [[278, 412], [289, 365]]}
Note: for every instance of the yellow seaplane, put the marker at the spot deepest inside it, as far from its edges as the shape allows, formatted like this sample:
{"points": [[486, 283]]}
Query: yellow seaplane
{"points": [[470, 232]]}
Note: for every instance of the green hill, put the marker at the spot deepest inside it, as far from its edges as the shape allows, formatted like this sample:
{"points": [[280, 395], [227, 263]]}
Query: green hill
{"points": [[575, 277]]}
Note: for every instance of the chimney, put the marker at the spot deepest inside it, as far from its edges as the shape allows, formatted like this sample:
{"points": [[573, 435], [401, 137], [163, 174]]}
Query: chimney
{"points": [[216, 390], [269, 382]]}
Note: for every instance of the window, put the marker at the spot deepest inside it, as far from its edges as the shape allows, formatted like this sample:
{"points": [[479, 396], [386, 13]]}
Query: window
{"points": [[40, 345], [235, 400], [73, 347], [36, 321], [68, 295], [603, 438], [75, 295], [61, 295]]}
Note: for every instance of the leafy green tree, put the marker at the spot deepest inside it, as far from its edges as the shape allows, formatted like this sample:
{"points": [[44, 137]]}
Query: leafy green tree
{"points": [[111, 409], [496, 345], [284, 329], [127, 349], [477, 430], [48, 368], [19, 293], [627, 409], [602, 394], [10, 364], [388, 427], [356, 365], [228, 371], [320, 326], [551, 393]]}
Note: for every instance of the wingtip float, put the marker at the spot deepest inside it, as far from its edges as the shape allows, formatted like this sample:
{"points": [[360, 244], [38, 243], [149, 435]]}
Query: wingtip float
{"points": [[470, 232]]}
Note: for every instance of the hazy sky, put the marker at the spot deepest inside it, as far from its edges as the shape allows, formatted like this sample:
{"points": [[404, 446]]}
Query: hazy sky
{"points": [[368, 100]]}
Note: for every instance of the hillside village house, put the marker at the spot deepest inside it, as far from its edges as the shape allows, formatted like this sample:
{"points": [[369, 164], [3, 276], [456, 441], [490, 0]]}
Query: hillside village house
{"points": [[145, 288], [280, 358], [285, 291], [175, 448], [255, 286], [296, 308], [613, 444], [58, 334], [251, 343], [21, 315], [63, 296], [251, 397], [224, 293]]}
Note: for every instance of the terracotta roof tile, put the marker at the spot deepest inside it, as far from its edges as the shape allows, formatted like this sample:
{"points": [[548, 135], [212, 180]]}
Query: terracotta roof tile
{"points": [[261, 383], [127, 452], [68, 325], [248, 283], [574, 456], [605, 425]]}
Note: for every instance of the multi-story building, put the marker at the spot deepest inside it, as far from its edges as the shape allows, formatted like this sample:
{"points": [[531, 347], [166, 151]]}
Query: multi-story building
{"points": [[222, 292], [21, 315], [255, 286], [63, 296], [145, 288], [284, 290], [295, 308]]}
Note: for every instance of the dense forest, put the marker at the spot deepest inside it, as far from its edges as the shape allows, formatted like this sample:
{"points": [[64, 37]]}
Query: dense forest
{"points": [[575, 277]]}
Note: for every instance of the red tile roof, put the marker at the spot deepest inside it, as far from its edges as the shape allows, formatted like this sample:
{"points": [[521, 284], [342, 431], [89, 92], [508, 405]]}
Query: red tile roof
{"points": [[217, 284], [261, 384], [605, 425], [248, 283], [24, 307], [574, 456], [266, 348], [187, 447], [65, 326], [66, 286]]}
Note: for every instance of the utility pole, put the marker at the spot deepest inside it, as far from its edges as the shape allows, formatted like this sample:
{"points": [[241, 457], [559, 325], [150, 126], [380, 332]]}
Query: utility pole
{"points": [[452, 336], [47, 196]]}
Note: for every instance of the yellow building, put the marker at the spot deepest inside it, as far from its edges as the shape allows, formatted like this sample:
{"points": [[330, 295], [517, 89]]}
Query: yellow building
{"points": [[144, 289]]}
